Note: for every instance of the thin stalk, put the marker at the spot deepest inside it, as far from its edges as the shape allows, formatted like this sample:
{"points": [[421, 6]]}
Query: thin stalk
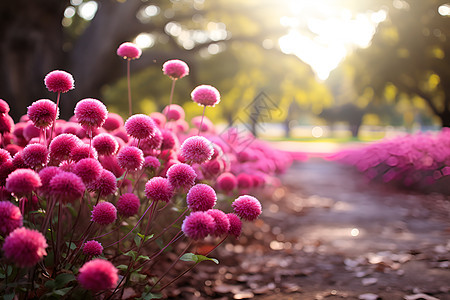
{"points": [[201, 122], [73, 230], [171, 98], [129, 87], [58, 237], [54, 121], [48, 215]]}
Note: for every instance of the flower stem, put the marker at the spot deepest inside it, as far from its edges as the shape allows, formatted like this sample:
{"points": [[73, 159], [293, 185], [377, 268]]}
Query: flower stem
{"points": [[171, 98], [54, 121], [129, 87], [201, 122]]}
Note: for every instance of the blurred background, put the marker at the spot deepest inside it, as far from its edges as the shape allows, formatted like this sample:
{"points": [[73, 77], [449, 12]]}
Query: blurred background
{"points": [[335, 69]]}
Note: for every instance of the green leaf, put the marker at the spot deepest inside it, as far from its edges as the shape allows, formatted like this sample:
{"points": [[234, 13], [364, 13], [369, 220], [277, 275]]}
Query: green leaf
{"points": [[143, 257], [62, 292], [121, 177], [62, 279], [197, 258], [9, 296], [150, 296], [137, 240], [50, 284], [132, 254], [122, 267]]}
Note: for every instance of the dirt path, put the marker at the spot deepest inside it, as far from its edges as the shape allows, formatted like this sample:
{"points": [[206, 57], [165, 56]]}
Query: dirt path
{"points": [[328, 234]]}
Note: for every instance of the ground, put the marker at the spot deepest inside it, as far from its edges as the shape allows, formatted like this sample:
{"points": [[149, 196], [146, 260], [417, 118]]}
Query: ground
{"points": [[327, 233]]}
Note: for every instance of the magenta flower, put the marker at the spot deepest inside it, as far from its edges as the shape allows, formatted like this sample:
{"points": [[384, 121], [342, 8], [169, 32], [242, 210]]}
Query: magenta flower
{"points": [[169, 140], [25, 247], [206, 95], [151, 162], [130, 158], [151, 143], [47, 174], [4, 156], [198, 225], [140, 126], [18, 162], [196, 149], [90, 113], [244, 181], [201, 197], [62, 145], [43, 113], [10, 218], [104, 213], [129, 50], [59, 81], [92, 248], [105, 144], [128, 205], [5, 169], [106, 183], [82, 151], [158, 118], [174, 112], [221, 222], [22, 182], [175, 69], [66, 187], [181, 176], [226, 182], [247, 207], [88, 169], [158, 189], [6, 123], [4, 107], [113, 122], [35, 155], [98, 275], [203, 124], [235, 225]]}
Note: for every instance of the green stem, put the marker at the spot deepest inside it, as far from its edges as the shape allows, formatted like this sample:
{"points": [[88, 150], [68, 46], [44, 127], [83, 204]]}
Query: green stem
{"points": [[201, 122]]}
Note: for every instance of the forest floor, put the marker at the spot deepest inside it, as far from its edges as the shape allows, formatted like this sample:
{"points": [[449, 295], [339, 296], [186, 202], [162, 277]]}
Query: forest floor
{"points": [[327, 233]]}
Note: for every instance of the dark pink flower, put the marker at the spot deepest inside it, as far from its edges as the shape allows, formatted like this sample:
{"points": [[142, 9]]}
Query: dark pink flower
{"points": [[6, 123], [4, 107], [128, 205], [105, 144], [235, 225], [207, 125], [106, 184], [82, 151], [22, 182], [113, 122], [92, 248], [151, 162], [104, 213], [130, 158], [151, 143], [98, 275], [5, 169], [4, 156], [201, 197], [88, 169], [66, 187], [175, 112], [43, 113], [169, 140], [25, 247], [175, 68], [181, 176], [121, 133], [35, 155], [196, 149], [59, 81], [110, 163], [13, 149], [30, 131], [129, 50], [47, 174], [198, 225], [247, 207], [18, 162], [244, 181], [226, 182], [158, 189], [62, 145], [10, 218], [221, 222], [140, 126], [205, 95], [158, 118], [91, 113]]}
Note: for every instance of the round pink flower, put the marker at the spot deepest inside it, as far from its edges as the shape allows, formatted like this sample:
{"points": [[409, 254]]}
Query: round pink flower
{"points": [[129, 50], [158, 118], [5, 169], [206, 95], [88, 169], [244, 181], [6, 123], [226, 182], [4, 107], [59, 81], [122, 134], [47, 174], [110, 163], [43, 113], [35, 155], [18, 162], [98, 275], [151, 162], [66, 187], [198, 225], [207, 125], [104, 213], [105, 144], [128, 205], [235, 225], [82, 151], [130, 158], [151, 143], [221, 222], [90, 113], [140, 126], [113, 122], [175, 69], [201, 197], [106, 184], [175, 112], [181, 176], [22, 182], [212, 168], [13, 149], [30, 131], [62, 145], [169, 140], [158, 189], [25, 247], [197, 149], [247, 207], [4, 156], [10, 218], [92, 248]]}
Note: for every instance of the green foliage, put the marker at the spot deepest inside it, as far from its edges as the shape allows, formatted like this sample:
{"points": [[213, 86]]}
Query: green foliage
{"points": [[197, 258]]}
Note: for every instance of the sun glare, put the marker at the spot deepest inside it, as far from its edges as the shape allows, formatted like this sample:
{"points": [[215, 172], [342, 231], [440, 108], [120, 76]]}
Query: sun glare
{"points": [[333, 32]]}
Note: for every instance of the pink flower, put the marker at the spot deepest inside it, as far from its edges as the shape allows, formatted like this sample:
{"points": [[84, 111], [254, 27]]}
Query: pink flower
{"points": [[158, 118], [6, 123], [158, 189], [43, 113], [4, 156], [92, 248], [22, 182], [105, 144], [128, 205], [181, 176], [140, 126], [198, 225], [47, 174], [98, 275], [130, 158], [35, 155], [226, 182], [207, 125], [151, 162], [235, 225], [247, 207], [90, 113], [4, 107], [197, 149], [169, 140], [244, 181], [206, 95], [30, 131], [113, 122], [129, 51], [82, 151], [18, 162], [25, 247], [62, 145], [221, 222], [10, 217], [175, 113], [106, 184], [66, 187], [110, 163], [175, 69], [88, 169], [201, 197], [104, 213], [59, 81], [151, 143], [5, 169]]}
